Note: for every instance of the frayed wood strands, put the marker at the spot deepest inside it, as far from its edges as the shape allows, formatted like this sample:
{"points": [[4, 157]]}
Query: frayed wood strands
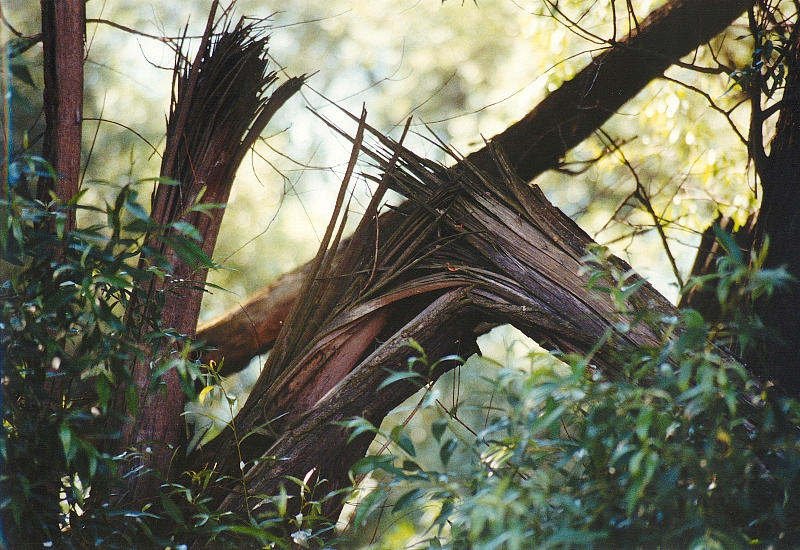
{"points": [[481, 246], [221, 104], [220, 108]]}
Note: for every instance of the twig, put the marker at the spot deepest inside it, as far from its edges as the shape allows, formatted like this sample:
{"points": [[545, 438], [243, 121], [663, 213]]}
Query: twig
{"points": [[713, 105], [641, 194], [131, 130]]}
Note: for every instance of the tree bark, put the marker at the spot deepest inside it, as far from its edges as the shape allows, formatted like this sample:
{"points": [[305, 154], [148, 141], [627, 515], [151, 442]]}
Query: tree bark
{"points": [[63, 31], [537, 142], [473, 244]]}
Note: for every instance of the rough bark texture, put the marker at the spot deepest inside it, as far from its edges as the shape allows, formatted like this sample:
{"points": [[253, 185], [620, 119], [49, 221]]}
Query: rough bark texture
{"points": [[220, 109], [63, 30], [472, 244]]}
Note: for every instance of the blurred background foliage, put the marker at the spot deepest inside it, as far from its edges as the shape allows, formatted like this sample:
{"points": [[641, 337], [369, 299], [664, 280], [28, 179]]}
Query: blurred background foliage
{"points": [[464, 71]]}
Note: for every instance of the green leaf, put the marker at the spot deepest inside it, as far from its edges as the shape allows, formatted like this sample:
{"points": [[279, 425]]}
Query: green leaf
{"points": [[137, 211], [132, 400], [729, 244], [400, 437], [416, 345], [367, 505], [103, 390], [188, 252], [262, 535], [205, 207], [359, 426], [171, 509], [396, 376], [67, 441], [187, 229], [372, 463], [545, 421], [283, 501], [21, 72], [643, 421], [114, 281], [446, 451], [438, 427], [408, 498]]}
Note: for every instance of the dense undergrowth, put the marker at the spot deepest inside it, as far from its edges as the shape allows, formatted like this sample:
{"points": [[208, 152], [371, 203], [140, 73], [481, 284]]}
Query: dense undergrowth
{"points": [[685, 450]]}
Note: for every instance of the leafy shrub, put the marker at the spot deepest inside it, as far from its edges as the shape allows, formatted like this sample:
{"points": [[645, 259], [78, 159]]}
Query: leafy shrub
{"points": [[685, 450], [70, 332]]}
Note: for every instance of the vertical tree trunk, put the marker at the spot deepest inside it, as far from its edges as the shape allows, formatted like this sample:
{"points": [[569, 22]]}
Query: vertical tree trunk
{"points": [[220, 108], [63, 31], [779, 221]]}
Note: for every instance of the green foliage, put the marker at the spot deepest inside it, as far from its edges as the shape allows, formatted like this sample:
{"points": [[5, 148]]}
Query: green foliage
{"points": [[71, 327], [684, 450], [70, 333], [767, 69]]}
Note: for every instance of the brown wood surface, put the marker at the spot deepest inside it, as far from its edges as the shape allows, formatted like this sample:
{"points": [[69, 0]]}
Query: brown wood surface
{"points": [[494, 249], [63, 31]]}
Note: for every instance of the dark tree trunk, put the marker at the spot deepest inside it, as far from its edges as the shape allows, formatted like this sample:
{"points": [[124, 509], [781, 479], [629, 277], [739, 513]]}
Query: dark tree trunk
{"points": [[779, 221], [63, 30]]}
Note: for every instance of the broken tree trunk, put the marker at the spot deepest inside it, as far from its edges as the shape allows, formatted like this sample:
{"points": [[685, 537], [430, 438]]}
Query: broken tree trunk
{"points": [[220, 108], [464, 251], [473, 244], [537, 142]]}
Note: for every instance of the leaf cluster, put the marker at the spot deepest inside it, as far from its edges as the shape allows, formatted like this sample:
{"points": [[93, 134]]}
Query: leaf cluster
{"points": [[685, 450], [70, 331]]}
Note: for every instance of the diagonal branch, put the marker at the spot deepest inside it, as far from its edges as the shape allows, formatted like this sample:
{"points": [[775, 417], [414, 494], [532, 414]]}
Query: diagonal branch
{"points": [[558, 123], [580, 106]]}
